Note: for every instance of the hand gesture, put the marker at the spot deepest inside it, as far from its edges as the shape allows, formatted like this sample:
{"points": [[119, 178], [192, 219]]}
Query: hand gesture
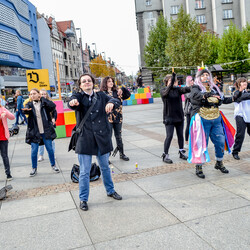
{"points": [[53, 121], [109, 107], [119, 92], [73, 102]]}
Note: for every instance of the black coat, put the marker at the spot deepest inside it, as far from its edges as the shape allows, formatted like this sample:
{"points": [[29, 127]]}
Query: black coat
{"points": [[172, 104], [32, 133], [199, 99], [96, 132]]}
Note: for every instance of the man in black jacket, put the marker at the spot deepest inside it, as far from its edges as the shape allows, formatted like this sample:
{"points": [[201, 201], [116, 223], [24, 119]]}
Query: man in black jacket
{"points": [[95, 137]]}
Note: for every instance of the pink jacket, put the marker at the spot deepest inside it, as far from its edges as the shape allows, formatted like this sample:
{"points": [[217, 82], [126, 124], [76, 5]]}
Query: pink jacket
{"points": [[4, 120]]}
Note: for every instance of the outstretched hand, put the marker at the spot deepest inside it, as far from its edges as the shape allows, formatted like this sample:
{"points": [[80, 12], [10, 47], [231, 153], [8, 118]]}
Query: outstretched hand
{"points": [[26, 109], [109, 107], [73, 102]]}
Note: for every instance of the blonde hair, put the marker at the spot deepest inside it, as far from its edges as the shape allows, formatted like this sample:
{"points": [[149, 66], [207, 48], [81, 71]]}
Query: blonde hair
{"points": [[47, 95]]}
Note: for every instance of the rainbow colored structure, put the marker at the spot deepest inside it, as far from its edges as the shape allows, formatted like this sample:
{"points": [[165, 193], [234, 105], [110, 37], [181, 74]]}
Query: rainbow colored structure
{"points": [[66, 120], [143, 96]]}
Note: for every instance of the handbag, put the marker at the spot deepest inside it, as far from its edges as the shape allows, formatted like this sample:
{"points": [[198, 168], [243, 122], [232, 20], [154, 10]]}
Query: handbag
{"points": [[76, 131], [94, 175]]}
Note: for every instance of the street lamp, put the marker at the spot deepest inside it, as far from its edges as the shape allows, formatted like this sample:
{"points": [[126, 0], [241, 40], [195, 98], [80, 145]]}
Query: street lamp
{"points": [[81, 48], [104, 55]]}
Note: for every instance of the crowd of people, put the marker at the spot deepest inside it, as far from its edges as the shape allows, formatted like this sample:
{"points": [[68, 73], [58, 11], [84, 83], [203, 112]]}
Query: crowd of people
{"points": [[102, 113]]}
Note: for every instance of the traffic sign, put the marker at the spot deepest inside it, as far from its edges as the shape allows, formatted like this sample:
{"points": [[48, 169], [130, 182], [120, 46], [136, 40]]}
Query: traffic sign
{"points": [[38, 78]]}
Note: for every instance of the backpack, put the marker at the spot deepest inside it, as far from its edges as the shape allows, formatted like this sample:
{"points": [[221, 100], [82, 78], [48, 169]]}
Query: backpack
{"points": [[95, 172]]}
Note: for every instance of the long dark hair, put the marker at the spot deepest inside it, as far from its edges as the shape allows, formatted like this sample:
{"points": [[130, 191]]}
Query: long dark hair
{"points": [[104, 86]]}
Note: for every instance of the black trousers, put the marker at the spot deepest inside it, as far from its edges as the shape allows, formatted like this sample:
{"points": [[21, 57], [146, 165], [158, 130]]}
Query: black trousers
{"points": [[179, 126], [117, 127], [4, 154], [241, 126], [188, 119]]}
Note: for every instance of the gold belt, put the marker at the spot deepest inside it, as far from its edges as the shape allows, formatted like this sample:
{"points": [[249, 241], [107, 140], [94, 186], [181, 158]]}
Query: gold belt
{"points": [[209, 113]]}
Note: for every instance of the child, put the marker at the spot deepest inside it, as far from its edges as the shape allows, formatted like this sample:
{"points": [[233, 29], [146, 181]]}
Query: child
{"points": [[4, 136]]}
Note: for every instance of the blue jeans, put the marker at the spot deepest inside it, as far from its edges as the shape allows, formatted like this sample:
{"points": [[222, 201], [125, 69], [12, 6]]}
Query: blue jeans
{"points": [[85, 166], [41, 148], [18, 113], [214, 130], [48, 146]]}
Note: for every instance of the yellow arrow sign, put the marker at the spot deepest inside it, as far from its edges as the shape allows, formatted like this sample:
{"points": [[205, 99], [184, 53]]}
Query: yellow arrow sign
{"points": [[38, 78]]}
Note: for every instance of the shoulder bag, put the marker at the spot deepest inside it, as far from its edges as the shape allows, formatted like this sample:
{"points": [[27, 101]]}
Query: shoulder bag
{"points": [[76, 131]]}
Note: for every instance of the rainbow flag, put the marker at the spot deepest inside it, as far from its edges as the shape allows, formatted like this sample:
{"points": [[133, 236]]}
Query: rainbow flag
{"points": [[229, 132]]}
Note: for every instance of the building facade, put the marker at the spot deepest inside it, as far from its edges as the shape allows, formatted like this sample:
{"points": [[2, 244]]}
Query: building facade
{"points": [[19, 43], [215, 15]]}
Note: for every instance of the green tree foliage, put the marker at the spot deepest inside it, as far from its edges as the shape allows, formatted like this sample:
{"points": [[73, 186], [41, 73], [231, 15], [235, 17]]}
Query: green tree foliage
{"points": [[246, 38], [212, 41], [154, 51], [186, 43], [231, 48]]}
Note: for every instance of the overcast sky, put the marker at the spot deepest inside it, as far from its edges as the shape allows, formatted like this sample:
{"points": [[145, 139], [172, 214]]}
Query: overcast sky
{"points": [[111, 24]]}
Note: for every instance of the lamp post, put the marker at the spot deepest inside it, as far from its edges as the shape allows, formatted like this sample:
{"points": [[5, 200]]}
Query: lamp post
{"points": [[104, 55], [81, 48]]}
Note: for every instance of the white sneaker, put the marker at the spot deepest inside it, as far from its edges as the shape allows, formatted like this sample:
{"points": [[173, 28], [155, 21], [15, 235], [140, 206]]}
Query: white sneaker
{"points": [[40, 158], [54, 168]]}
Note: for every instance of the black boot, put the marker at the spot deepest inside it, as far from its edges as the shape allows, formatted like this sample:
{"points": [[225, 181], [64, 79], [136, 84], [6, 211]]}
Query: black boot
{"points": [[219, 165], [182, 155], [124, 157], [199, 171], [165, 158]]}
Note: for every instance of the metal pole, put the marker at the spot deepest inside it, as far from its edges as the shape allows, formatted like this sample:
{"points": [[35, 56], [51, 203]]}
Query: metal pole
{"points": [[58, 80]]}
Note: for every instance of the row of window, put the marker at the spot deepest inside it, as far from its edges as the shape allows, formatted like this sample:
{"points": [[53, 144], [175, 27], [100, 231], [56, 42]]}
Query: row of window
{"points": [[227, 14], [199, 4]]}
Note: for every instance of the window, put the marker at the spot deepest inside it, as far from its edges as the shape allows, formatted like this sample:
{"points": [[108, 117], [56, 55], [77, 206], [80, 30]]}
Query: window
{"points": [[199, 4], [174, 9], [66, 70], [226, 27], [227, 14], [148, 3], [201, 19], [227, 1], [75, 73], [65, 56], [71, 73], [74, 59]]}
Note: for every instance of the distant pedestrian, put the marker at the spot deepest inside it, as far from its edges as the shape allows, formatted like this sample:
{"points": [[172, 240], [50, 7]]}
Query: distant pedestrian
{"points": [[4, 136], [2, 101], [115, 117], [188, 108], [95, 137], [19, 100], [53, 114], [173, 116], [40, 129], [241, 115]]}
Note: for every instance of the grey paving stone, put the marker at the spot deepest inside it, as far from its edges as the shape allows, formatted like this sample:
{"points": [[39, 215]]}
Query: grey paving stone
{"points": [[63, 230], [45, 177], [26, 208], [112, 219], [199, 200], [239, 185], [146, 143], [228, 230], [97, 195], [167, 181], [172, 237]]}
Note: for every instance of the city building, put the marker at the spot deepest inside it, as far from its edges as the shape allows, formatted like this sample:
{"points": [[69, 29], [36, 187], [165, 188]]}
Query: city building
{"points": [[215, 15], [147, 13], [19, 44]]}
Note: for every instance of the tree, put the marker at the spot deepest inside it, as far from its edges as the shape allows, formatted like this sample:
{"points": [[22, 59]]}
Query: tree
{"points": [[246, 39], [186, 44], [99, 67], [231, 48], [154, 51], [213, 46]]}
